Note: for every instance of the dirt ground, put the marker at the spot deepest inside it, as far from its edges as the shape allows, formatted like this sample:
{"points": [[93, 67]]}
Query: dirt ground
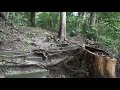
{"points": [[28, 38], [22, 40]]}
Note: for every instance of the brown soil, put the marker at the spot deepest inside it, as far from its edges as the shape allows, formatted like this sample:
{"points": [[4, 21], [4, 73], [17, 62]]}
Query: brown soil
{"points": [[44, 48]]}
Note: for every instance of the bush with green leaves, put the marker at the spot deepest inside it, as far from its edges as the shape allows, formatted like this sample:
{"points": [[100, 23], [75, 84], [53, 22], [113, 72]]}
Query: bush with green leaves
{"points": [[18, 18], [108, 30], [43, 20], [73, 25]]}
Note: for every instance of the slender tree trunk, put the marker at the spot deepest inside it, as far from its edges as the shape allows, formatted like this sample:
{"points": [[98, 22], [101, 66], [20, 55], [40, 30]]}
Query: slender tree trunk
{"points": [[32, 19], [6, 17], [51, 22], [79, 13], [2, 19], [92, 25], [85, 25], [62, 31], [93, 19]]}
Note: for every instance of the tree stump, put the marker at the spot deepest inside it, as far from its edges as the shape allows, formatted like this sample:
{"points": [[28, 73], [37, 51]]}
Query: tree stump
{"points": [[100, 66]]}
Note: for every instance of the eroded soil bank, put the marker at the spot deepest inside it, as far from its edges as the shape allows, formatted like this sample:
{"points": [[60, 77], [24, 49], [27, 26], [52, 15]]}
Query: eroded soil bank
{"points": [[39, 53]]}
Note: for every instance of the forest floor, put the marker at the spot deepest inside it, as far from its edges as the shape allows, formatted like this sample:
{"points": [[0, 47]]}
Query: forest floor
{"points": [[28, 38], [19, 41]]}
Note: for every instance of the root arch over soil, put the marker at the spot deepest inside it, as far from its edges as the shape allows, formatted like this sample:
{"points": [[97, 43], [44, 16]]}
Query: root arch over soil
{"points": [[63, 59]]}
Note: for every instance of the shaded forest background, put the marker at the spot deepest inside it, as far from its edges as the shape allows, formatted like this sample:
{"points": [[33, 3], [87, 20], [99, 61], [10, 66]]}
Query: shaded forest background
{"points": [[101, 27]]}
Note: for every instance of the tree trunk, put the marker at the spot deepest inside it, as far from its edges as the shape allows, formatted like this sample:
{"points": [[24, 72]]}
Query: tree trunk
{"points": [[92, 26], [51, 22], [2, 19], [32, 19], [79, 13], [6, 17], [93, 19], [85, 23], [62, 31]]}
